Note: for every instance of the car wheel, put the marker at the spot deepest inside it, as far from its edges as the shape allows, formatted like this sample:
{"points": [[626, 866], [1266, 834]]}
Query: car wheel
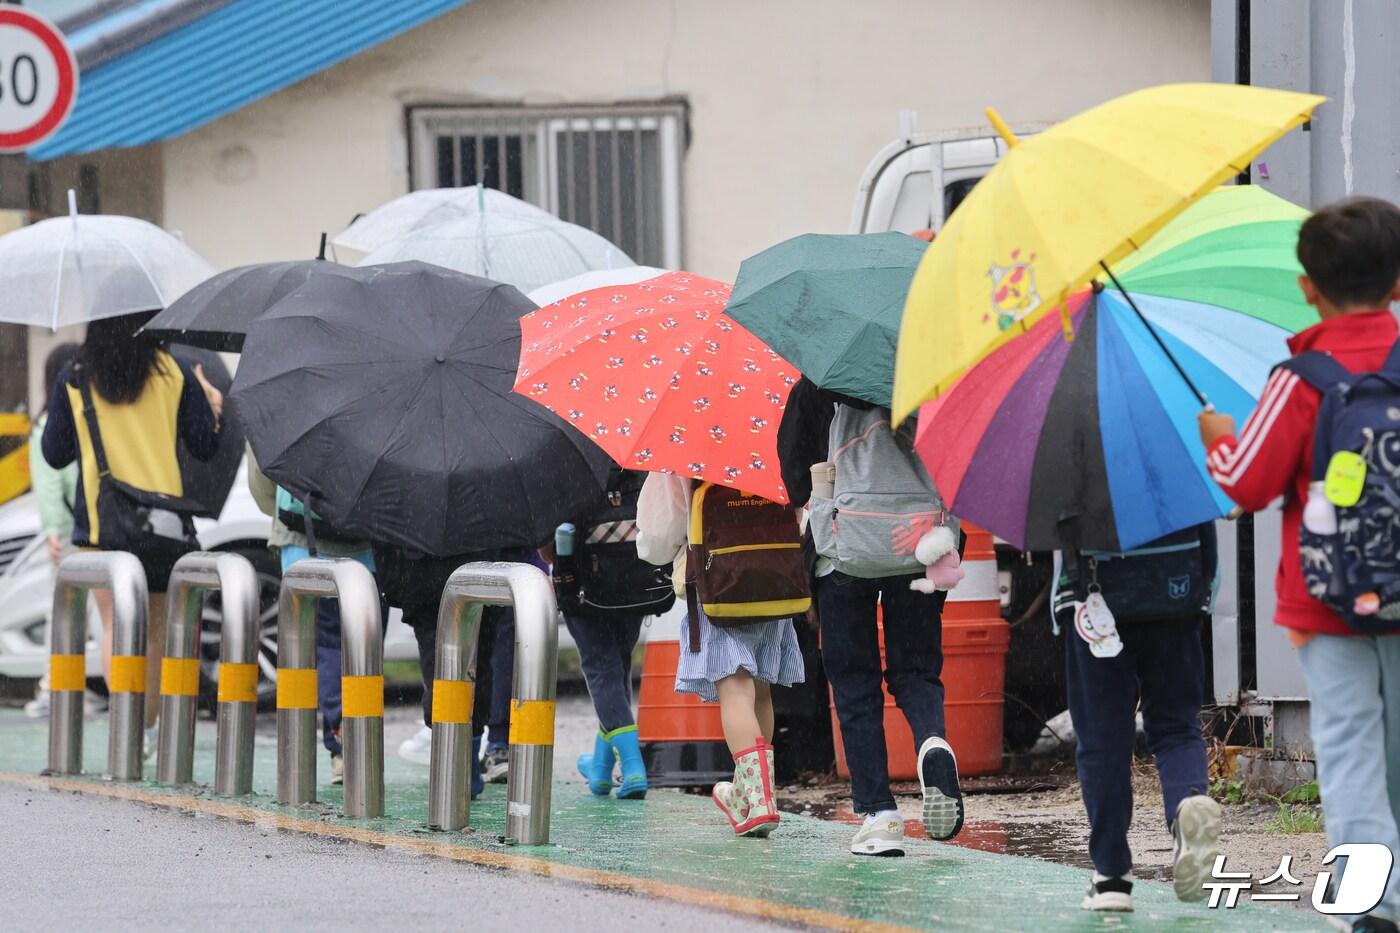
{"points": [[211, 632]]}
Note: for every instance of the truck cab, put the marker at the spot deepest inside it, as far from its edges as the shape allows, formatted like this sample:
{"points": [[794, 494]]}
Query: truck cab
{"points": [[919, 179]]}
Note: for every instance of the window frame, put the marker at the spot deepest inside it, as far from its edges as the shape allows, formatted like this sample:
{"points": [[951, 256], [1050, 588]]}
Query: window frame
{"points": [[540, 127]]}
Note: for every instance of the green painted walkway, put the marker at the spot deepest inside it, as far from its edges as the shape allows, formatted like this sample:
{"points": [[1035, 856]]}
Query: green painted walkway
{"points": [[680, 840]]}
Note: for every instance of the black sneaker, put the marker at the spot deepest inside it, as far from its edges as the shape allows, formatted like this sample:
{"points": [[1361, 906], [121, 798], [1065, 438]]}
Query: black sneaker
{"points": [[938, 778], [1109, 894], [1374, 925], [495, 766]]}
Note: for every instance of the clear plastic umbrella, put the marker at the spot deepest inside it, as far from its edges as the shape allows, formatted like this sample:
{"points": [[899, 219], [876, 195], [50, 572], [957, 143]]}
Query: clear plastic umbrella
{"points": [[631, 275], [79, 268], [524, 252], [428, 207]]}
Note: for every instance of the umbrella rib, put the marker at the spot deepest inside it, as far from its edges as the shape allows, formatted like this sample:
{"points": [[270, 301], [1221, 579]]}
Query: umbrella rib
{"points": [[486, 425], [58, 286], [150, 279]]}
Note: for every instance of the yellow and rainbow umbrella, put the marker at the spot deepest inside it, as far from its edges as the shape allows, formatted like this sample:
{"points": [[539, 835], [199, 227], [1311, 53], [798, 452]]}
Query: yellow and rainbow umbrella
{"points": [[1063, 206]]}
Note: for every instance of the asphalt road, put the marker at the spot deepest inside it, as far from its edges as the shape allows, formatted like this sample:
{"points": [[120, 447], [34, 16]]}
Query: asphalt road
{"points": [[74, 862], [68, 861]]}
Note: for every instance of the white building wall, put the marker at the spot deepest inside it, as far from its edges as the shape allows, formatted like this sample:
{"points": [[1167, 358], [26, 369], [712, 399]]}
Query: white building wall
{"points": [[788, 101]]}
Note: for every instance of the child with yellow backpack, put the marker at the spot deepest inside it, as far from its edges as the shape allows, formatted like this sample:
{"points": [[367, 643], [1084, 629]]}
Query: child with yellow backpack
{"points": [[739, 566]]}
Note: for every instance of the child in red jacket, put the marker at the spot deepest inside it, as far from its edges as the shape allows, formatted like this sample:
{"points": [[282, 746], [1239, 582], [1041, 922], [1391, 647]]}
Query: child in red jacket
{"points": [[1350, 253]]}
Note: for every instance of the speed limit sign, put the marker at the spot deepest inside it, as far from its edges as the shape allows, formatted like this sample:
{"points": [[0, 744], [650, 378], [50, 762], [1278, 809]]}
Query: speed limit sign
{"points": [[38, 79]]}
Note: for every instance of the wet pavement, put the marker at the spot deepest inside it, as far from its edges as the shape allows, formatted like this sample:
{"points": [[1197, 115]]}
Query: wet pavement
{"points": [[671, 849]]}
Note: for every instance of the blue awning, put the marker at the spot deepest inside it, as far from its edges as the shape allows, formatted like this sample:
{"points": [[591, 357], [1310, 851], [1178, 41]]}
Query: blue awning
{"points": [[238, 52]]}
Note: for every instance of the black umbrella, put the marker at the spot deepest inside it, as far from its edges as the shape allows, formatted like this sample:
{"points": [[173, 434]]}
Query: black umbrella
{"points": [[385, 397], [217, 313]]}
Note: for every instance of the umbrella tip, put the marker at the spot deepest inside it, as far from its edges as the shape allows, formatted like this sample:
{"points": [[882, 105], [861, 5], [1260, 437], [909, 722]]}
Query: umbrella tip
{"points": [[322, 253], [1002, 129]]}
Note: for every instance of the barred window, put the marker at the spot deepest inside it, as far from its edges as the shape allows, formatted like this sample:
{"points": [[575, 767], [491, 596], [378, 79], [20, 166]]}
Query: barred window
{"points": [[615, 170]]}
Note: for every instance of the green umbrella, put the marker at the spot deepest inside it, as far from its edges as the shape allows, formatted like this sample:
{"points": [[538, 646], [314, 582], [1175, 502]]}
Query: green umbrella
{"points": [[831, 305]]}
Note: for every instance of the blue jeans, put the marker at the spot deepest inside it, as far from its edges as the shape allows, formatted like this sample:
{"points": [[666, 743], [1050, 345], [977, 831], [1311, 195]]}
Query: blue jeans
{"points": [[605, 651], [1354, 688], [912, 666], [328, 649], [495, 666], [497, 658], [328, 671], [1162, 663]]}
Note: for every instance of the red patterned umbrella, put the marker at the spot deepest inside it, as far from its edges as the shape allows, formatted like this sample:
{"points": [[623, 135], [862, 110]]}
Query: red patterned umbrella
{"points": [[659, 377]]}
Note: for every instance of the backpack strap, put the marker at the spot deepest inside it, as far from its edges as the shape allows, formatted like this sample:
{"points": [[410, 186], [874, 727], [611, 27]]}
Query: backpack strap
{"points": [[1319, 369], [99, 452], [1392, 362]]}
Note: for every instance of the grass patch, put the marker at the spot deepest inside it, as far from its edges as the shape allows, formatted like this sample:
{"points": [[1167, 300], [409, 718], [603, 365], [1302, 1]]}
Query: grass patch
{"points": [[1296, 818], [1304, 793], [1227, 790]]}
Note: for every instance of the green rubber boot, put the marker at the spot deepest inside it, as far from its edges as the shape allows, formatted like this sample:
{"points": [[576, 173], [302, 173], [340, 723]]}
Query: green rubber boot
{"points": [[597, 768], [629, 755]]}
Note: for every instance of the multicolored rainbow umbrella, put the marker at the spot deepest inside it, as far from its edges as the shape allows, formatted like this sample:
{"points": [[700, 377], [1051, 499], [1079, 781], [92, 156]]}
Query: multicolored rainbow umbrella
{"points": [[1093, 443]]}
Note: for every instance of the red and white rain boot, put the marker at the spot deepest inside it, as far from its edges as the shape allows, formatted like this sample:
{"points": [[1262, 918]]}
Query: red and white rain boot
{"points": [[748, 799]]}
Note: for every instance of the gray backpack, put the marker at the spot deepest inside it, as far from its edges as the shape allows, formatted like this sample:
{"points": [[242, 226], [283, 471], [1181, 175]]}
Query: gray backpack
{"points": [[884, 500]]}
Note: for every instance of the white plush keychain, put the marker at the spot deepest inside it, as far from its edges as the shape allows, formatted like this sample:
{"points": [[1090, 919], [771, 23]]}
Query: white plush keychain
{"points": [[1094, 622]]}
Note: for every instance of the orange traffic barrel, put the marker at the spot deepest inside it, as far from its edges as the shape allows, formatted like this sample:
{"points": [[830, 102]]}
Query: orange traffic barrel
{"points": [[681, 736], [976, 640]]}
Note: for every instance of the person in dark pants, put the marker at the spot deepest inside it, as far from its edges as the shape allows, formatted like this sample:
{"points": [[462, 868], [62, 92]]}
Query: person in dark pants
{"points": [[495, 679], [913, 663], [414, 583], [1144, 654], [605, 653]]}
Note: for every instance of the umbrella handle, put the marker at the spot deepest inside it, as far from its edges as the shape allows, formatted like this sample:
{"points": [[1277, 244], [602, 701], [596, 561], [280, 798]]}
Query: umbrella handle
{"points": [[1200, 396]]}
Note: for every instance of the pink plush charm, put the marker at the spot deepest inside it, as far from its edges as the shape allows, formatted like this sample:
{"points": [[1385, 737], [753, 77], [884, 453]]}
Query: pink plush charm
{"points": [[938, 552]]}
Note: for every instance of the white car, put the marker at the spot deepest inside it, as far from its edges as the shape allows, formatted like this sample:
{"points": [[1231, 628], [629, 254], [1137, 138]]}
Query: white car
{"points": [[27, 580]]}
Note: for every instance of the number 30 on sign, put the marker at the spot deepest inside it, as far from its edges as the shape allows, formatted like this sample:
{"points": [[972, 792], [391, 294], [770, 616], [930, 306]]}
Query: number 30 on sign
{"points": [[38, 79]]}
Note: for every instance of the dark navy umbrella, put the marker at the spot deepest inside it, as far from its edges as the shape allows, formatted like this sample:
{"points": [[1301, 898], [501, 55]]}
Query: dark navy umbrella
{"points": [[386, 398]]}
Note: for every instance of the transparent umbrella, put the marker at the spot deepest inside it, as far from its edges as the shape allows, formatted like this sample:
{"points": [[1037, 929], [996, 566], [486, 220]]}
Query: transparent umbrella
{"points": [[69, 270], [525, 252], [556, 291], [428, 207]]}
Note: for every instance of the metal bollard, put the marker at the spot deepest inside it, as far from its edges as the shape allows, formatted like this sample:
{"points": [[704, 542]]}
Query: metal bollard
{"points": [[362, 683], [236, 580], [122, 574], [469, 588]]}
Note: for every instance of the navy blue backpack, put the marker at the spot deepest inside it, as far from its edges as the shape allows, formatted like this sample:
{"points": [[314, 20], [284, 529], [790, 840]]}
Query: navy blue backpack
{"points": [[1356, 570]]}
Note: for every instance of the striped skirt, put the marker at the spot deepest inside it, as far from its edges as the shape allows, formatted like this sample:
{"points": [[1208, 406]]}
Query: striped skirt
{"points": [[767, 650]]}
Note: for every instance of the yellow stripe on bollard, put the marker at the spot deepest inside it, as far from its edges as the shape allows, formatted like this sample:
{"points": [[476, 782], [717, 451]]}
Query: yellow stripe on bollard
{"points": [[532, 722], [452, 701], [128, 674], [179, 677], [296, 688], [67, 672], [238, 683], [362, 696]]}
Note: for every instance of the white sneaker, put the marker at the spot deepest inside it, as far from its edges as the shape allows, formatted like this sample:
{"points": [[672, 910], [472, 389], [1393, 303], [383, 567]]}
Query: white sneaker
{"points": [[938, 777], [1196, 830], [38, 708], [881, 834], [419, 748], [1111, 894], [337, 769]]}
